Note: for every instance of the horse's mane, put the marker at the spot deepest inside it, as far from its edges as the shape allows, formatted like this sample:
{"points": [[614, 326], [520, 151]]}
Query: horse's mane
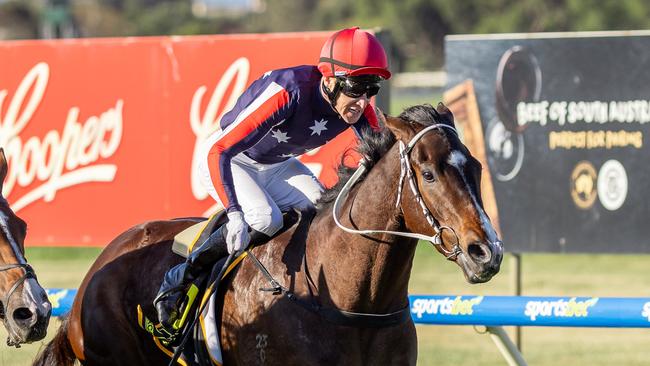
{"points": [[375, 144]]}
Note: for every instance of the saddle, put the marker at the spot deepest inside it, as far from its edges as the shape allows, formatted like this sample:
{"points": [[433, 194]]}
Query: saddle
{"points": [[204, 347], [185, 241]]}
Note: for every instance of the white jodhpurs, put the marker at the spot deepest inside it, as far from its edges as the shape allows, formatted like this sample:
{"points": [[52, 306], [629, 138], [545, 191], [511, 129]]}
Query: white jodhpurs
{"points": [[264, 191]]}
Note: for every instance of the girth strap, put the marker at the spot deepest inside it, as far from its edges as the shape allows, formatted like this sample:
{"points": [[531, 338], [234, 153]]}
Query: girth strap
{"points": [[364, 320]]}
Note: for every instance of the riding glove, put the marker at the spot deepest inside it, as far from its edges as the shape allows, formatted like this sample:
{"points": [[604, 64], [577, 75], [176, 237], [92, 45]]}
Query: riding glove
{"points": [[237, 237]]}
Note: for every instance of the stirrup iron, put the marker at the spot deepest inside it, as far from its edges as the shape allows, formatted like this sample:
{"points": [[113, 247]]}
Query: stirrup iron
{"points": [[186, 307]]}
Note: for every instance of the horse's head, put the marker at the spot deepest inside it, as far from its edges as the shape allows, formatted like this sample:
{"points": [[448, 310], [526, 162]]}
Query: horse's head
{"points": [[24, 307], [447, 178]]}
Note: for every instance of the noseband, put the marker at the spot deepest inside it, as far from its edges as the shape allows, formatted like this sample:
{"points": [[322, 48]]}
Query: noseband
{"points": [[406, 173], [28, 272]]}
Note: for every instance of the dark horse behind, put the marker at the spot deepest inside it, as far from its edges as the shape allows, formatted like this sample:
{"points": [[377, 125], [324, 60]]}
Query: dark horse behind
{"points": [[319, 263], [24, 307]]}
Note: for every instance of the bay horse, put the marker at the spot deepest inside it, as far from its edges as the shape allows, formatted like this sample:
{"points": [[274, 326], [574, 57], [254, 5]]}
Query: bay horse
{"points": [[342, 272], [24, 308]]}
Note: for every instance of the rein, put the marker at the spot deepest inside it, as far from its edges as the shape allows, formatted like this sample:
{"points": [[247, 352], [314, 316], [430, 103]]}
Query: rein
{"points": [[348, 318], [333, 315], [405, 173]]}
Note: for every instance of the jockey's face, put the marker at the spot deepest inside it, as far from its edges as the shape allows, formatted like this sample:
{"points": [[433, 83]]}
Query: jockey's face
{"points": [[350, 109]]}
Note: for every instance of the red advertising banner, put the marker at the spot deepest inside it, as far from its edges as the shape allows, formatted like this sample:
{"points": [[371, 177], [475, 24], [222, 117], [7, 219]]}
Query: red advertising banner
{"points": [[101, 134]]}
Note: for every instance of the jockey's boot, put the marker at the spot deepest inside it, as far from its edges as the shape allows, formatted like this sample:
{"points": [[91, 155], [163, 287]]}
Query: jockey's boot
{"points": [[179, 278]]}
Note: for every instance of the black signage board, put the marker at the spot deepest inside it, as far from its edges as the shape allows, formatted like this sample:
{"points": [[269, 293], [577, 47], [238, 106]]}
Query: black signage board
{"points": [[564, 121]]}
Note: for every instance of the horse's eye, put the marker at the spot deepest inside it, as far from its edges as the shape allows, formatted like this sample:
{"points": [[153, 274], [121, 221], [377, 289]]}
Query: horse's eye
{"points": [[428, 176]]}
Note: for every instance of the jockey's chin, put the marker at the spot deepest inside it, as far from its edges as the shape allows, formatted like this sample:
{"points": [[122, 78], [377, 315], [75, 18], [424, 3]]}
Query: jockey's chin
{"points": [[351, 109]]}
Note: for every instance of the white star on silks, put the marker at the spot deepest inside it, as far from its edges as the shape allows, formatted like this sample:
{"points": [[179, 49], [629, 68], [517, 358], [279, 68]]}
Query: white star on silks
{"points": [[280, 136], [267, 74], [287, 155], [318, 127]]}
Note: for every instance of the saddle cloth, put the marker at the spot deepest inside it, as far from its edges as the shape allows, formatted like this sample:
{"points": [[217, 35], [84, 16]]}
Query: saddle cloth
{"points": [[183, 244], [204, 347], [206, 342], [209, 324]]}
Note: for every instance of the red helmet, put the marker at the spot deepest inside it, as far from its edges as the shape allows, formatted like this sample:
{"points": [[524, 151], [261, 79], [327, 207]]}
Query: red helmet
{"points": [[352, 52]]}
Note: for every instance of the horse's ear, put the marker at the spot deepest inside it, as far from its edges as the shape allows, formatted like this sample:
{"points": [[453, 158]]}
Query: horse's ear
{"points": [[445, 114], [400, 128], [3, 168]]}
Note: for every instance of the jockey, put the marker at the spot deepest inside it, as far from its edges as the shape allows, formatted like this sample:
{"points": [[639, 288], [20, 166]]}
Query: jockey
{"points": [[249, 166]]}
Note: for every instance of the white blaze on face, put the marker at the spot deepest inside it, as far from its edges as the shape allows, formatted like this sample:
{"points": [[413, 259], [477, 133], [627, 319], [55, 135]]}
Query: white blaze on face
{"points": [[458, 160], [35, 296]]}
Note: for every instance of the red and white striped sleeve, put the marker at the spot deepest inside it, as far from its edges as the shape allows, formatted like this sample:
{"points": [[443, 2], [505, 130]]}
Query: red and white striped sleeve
{"points": [[270, 106]]}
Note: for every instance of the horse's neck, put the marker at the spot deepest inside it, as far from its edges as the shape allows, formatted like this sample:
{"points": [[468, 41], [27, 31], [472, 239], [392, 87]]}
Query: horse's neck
{"points": [[364, 273]]}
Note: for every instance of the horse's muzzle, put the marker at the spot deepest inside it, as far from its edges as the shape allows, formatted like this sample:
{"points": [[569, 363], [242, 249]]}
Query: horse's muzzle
{"points": [[27, 314], [27, 324], [481, 261]]}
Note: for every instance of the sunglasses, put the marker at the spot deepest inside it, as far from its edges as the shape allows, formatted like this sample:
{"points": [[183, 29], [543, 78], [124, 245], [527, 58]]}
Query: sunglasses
{"points": [[354, 88]]}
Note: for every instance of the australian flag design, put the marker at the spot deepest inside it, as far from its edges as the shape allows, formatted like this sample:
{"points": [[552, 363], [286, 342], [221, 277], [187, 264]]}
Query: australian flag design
{"points": [[281, 115]]}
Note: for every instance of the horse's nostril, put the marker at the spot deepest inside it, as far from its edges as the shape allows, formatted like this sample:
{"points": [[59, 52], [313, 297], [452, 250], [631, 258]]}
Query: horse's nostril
{"points": [[22, 314], [479, 253]]}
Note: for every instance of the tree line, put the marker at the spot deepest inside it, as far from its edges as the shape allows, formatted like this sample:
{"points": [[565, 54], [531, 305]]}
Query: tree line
{"points": [[417, 27]]}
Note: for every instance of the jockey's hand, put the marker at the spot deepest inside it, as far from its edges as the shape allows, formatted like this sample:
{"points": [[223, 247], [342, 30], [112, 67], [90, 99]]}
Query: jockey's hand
{"points": [[238, 236]]}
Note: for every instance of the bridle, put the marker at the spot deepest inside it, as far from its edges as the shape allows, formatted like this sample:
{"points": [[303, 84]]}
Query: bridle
{"points": [[28, 271], [355, 319], [405, 173]]}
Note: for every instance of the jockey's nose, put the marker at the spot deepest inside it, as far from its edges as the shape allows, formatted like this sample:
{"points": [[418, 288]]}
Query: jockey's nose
{"points": [[363, 101]]}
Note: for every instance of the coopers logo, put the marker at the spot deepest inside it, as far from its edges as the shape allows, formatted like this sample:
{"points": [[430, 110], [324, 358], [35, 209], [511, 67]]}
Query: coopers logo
{"points": [[59, 159], [559, 308], [445, 306]]}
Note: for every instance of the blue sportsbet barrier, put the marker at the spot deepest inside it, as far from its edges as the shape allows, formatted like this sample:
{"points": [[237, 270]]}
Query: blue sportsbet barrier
{"points": [[495, 310], [531, 311], [61, 299]]}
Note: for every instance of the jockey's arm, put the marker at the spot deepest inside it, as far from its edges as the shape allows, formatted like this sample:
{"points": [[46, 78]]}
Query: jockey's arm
{"points": [[245, 130]]}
